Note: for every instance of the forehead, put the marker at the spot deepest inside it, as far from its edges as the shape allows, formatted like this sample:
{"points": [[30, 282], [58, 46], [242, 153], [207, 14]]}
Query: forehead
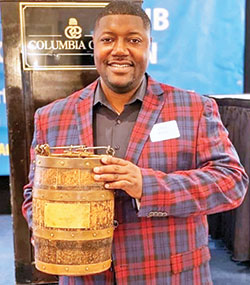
{"points": [[116, 23]]}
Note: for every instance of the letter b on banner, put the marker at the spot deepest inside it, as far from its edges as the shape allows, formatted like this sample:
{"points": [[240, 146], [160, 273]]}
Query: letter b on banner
{"points": [[160, 18]]}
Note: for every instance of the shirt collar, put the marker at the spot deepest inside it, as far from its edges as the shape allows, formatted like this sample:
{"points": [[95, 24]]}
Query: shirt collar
{"points": [[139, 94]]}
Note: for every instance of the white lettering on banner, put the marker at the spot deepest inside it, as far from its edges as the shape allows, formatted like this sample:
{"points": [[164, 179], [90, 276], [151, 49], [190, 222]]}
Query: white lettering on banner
{"points": [[2, 96], [153, 58], [160, 20], [4, 149]]}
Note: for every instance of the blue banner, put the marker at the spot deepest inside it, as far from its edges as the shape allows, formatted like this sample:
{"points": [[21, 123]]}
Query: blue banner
{"points": [[4, 146], [198, 45]]}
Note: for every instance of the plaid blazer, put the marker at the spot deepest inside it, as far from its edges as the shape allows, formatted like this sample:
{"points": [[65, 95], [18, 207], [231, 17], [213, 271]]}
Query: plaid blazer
{"points": [[184, 179]]}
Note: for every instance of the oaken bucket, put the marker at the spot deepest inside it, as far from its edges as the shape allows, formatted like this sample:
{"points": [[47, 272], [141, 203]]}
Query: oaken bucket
{"points": [[72, 214]]}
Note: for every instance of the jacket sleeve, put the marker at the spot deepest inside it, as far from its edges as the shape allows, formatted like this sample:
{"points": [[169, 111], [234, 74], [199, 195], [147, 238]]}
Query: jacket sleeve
{"points": [[27, 203], [217, 183]]}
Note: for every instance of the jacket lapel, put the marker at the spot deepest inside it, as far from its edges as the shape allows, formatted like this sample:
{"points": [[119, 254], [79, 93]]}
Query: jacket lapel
{"points": [[152, 104], [84, 115]]}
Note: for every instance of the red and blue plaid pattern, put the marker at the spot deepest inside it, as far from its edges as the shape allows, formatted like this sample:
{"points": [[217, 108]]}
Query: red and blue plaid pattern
{"points": [[184, 178]]}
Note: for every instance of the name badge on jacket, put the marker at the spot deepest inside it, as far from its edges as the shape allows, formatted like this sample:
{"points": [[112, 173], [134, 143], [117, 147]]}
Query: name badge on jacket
{"points": [[164, 131]]}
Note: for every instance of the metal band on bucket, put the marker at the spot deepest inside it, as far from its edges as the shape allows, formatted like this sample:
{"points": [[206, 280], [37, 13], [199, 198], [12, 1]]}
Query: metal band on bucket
{"points": [[73, 270]]}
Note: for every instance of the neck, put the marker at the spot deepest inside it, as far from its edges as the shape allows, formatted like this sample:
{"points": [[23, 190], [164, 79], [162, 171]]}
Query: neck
{"points": [[117, 100]]}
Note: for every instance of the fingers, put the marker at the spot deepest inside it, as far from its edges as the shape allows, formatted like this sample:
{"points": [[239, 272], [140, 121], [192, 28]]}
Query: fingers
{"points": [[112, 165], [109, 177], [113, 160], [114, 169], [122, 184], [121, 174]]}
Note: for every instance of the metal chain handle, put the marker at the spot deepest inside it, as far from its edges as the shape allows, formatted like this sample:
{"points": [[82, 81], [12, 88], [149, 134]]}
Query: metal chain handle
{"points": [[74, 150]]}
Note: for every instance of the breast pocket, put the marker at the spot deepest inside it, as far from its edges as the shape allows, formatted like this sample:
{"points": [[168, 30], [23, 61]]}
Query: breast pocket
{"points": [[167, 155]]}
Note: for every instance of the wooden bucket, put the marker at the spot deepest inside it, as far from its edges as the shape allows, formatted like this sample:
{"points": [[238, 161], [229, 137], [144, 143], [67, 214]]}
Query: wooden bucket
{"points": [[72, 216]]}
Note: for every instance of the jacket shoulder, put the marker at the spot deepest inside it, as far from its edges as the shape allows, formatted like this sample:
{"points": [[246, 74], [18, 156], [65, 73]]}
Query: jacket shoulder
{"points": [[68, 103], [177, 96]]}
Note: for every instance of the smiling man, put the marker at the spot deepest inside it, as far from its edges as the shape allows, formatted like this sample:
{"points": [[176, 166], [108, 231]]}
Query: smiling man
{"points": [[121, 53], [174, 162]]}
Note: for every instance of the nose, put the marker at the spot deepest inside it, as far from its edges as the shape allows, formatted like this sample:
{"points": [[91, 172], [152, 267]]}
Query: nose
{"points": [[120, 47]]}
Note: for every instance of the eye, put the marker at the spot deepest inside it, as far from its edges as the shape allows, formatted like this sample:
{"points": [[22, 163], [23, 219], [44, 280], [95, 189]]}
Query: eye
{"points": [[135, 40], [107, 40]]}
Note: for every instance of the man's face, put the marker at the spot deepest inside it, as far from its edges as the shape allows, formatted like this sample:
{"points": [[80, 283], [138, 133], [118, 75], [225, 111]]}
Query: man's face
{"points": [[121, 51]]}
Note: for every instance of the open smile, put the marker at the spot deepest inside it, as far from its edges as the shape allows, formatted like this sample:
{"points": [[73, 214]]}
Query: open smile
{"points": [[120, 67], [122, 64]]}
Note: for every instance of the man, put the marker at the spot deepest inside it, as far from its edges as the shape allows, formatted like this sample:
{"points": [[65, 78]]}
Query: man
{"points": [[174, 163]]}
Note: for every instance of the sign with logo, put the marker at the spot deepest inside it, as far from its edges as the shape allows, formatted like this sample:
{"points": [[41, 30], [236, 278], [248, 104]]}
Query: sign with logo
{"points": [[58, 36]]}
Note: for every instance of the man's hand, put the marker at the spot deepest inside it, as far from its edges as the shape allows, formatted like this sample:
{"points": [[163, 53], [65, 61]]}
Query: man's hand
{"points": [[120, 174]]}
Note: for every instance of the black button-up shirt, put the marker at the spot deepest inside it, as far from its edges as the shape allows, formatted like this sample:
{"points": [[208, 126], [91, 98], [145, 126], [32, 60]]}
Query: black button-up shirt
{"points": [[113, 129]]}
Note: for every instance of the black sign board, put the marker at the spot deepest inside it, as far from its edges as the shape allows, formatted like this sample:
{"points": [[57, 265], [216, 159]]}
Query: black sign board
{"points": [[58, 36]]}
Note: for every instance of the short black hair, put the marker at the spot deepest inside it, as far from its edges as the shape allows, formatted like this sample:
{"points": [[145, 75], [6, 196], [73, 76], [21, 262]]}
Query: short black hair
{"points": [[124, 8]]}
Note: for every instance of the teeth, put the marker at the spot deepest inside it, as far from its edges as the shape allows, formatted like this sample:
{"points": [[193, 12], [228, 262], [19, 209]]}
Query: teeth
{"points": [[119, 65]]}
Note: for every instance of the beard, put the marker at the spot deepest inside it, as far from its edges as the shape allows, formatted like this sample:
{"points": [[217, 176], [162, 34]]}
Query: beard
{"points": [[120, 88]]}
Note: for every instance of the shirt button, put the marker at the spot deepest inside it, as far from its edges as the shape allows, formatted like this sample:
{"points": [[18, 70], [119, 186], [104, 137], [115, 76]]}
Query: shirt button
{"points": [[118, 122], [116, 223], [117, 147]]}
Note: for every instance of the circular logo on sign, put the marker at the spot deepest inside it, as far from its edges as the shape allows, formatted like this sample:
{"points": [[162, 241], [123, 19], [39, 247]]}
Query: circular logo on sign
{"points": [[73, 31]]}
